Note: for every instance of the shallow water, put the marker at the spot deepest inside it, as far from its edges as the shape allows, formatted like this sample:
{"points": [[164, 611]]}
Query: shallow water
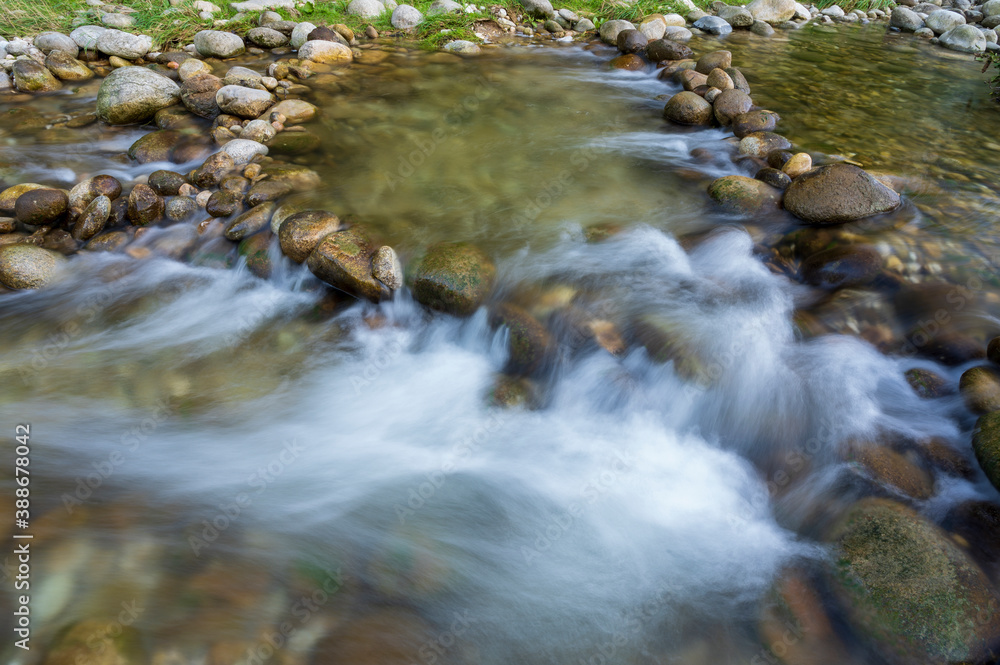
{"points": [[237, 455]]}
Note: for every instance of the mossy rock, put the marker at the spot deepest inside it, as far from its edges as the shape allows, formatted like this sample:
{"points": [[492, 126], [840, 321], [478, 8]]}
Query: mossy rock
{"points": [[986, 445], [744, 196], [256, 250], [343, 260], [454, 278], [927, 384], [530, 345], [908, 590]]}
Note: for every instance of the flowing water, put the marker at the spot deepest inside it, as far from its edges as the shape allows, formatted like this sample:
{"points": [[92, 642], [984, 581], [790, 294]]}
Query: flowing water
{"points": [[254, 463]]}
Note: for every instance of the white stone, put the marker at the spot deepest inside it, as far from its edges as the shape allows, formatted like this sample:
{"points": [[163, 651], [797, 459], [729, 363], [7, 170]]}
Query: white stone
{"points": [[243, 150], [218, 44], [124, 44], [405, 17], [300, 34], [366, 8]]}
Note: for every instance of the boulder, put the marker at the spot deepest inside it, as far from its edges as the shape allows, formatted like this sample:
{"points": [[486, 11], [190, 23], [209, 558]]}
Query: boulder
{"points": [[530, 345], [134, 94], [92, 220], [610, 29], [744, 196], [198, 94], [250, 222], [942, 20], [300, 34], [387, 268], [145, 206], [66, 67], [539, 8], [47, 42], [980, 388], [27, 266], [907, 590], [325, 52], [713, 25], [296, 111], [713, 60], [86, 36], [154, 147], [443, 7], [193, 67], [243, 150], [299, 234], [688, 108], [754, 121], [243, 102], [965, 39], [905, 19], [218, 44], [731, 104], [454, 278], [631, 41], [405, 17], [838, 193], [842, 267], [124, 44], [343, 260], [366, 9], [772, 11], [759, 144], [462, 47], [41, 206], [266, 37], [29, 76], [738, 17], [986, 445], [667, 49]]}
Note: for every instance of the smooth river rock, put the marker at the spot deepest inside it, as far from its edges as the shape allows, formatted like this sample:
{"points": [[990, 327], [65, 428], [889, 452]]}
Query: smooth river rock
{"points": [[134, 94], [344, 261], [27, 266], [454, 278], [838, 193]]}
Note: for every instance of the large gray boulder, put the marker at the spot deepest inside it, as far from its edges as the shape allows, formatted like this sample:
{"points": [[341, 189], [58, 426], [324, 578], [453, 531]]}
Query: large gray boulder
{"points": [[86, 36], [772, 11], [405, 17], [610, 29], [243, 102], [124, 44], [905, 19], [942, 20], [964, 38], [300, 34], [539, 8], [366, 8], [838, 193], [218, 44], [47, 42], [134, 94]]}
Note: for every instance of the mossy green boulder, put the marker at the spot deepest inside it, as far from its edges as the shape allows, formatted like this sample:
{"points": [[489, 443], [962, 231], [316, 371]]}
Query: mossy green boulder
{"points": [[744, 196], [908, 590], [986, 444], [344, 261], [454, 278]]}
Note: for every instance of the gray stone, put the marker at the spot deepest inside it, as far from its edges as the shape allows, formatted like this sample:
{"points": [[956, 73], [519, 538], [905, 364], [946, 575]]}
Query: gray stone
{"points": [[300, 35], [16, 47], [678, 34], [405, 17], [584, 25], [713, 25], [259, 131], [964, 38], [942, 20], [86, 36], [463, 47], [266, 37], [905, 19], [366, 8], [538, 8], [56, 41], [120, 21], [991, 8], [218, 44], [738, 17], [243, 150], [610, 29], [444, 7], [243, 102], [134, 94], [124, 44], [833, 11], [772, 11]]}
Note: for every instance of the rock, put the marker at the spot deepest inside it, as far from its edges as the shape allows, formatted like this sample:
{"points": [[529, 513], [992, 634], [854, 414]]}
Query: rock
{"points": [[965, 39], [300, 233], [66, 67], [27, 266], [838, 193], [300, 34], [891, 468], [688, 108], [738, 17], [255, 250], [454, 278], [833, 11], [259, 131], [610, 29], [993, 351], [739, 81], [86, 36], [405, 17], [93, 219], [666, 49], [266, 37], [731, 104], [9, 196], [124, 44], [325, 34], [720, 80], [296, 111], [29, 76], [180, 208], [47, 42], [343, 260], [198, 94], [980, 388], [690, 79], [100, 185], [744, 196], [154, 147], [798, 164], [759, 144], [774, 12], [367, 9], [628, 61], [193, 67], [986, 445], [301, 178], [293, 143], [218, 44], [250, 222], [145, 206], [584, 25], [223, 203], [679, 35], [267, 190], [905, 19], [538, 8], [754, 121], [243, 102], [326, 52], [243, 150], [530, 345], [387, 268], [991, 8], [713, 25], [907, 589], [761, 28], [926, 383], [842, 267], [134, 94], [41, 206], [773, 177], [444, 7], [462, 47], [942, 20], [652, 28], [114, 20], [631, 41], [713, 60]]}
